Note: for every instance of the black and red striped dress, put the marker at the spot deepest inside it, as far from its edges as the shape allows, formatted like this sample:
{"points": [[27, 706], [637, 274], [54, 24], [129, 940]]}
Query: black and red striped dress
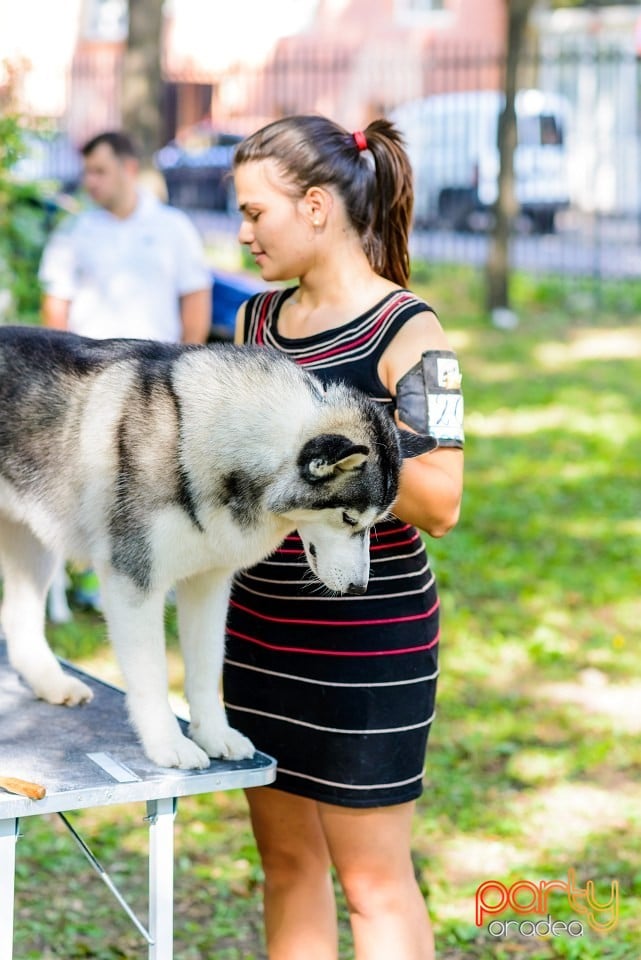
{"points": [[339, 689]]}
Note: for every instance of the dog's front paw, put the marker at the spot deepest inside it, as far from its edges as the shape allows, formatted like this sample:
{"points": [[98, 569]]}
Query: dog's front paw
{"points": [[223, 742], [179, 752], [62, 689]]}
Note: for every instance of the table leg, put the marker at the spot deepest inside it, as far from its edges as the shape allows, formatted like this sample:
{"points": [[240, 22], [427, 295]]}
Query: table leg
{"points": [[8, 837], [160, 815]]}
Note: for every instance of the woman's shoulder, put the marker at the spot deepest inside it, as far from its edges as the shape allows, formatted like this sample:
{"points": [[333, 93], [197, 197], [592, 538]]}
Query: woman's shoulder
{"points": [[398, 308], [271, 299], [412, 302], [260, 312]]}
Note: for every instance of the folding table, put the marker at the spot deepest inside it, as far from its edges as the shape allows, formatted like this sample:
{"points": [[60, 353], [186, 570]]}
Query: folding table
{"points": [[89, 756]]}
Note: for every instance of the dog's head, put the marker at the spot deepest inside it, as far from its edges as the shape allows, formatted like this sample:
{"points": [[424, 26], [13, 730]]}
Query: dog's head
{"points": [[346, 480]]}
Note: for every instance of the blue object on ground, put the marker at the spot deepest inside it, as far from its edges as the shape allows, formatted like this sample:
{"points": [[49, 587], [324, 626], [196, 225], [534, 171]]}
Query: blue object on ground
{"points": [[229, 291]]}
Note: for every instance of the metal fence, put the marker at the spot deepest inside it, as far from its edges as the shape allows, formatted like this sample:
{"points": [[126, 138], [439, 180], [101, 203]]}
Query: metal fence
{"points": [[588, 169], [578, 163]]}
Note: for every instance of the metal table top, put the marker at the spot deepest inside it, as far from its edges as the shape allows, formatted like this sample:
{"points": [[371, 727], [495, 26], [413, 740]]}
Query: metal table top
{"points": [[89, 755]]}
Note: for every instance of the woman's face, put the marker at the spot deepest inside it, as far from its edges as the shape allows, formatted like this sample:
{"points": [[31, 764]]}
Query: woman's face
{"points": [[277, 228]]}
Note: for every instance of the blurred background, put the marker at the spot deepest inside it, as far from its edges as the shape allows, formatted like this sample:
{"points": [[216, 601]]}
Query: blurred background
{"points": [[190, 77]]}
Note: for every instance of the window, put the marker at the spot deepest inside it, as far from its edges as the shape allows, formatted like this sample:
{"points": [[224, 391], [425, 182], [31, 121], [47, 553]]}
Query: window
{"points": [[415, 12], [540, 130], [419, 7], [104, 20], [551, 131], [422, 6]]}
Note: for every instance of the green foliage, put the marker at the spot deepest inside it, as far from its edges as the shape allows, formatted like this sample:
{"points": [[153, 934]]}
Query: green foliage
{"points": [[533, 763], [24, 227], [11, 147], [26, 217]]}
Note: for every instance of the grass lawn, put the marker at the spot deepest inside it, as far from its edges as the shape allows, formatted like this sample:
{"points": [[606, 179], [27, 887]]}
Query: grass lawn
{"points": [[534, 762]]}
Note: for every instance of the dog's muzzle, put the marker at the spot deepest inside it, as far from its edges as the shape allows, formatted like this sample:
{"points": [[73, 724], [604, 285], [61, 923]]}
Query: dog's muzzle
{"points": [[357, 589]]}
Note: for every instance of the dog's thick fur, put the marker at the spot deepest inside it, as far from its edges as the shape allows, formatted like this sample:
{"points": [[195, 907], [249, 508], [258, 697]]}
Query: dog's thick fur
{"points": [[162, 465]]}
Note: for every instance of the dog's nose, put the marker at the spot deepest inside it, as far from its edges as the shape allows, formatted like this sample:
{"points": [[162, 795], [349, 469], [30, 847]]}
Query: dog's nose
{"points": [[357, 589]]}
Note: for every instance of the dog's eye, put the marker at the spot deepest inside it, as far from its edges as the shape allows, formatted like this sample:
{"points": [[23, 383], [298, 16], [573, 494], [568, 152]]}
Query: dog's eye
{"points": [[349, 520]]}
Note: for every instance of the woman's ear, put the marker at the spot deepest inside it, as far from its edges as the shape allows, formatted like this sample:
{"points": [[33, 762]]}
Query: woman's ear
{"points": [[317, 205]]}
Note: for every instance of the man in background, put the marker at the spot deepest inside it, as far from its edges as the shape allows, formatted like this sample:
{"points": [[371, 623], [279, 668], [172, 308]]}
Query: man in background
{"points": [[130, 267]]}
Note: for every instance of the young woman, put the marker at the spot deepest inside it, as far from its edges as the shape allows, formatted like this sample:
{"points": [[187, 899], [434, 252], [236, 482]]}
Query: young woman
{"points": [[340, 689]]}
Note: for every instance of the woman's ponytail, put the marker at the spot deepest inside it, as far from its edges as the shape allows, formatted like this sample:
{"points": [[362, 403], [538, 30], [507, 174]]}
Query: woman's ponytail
{"points": [[387, 239]]}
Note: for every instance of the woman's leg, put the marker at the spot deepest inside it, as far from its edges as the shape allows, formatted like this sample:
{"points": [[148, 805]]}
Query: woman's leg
{"points": [[371, 851], [300, 912]]}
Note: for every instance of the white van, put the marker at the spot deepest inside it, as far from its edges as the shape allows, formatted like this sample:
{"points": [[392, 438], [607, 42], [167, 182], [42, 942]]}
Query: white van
{"points": [[452, 141]]}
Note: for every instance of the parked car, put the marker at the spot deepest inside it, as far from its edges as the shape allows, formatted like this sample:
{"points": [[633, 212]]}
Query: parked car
{"points": [[197, 168], [452, 141]]}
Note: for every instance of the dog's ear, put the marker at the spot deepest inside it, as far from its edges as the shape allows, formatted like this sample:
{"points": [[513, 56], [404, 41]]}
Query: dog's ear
{"points": [[327, 454], [414, 444]]}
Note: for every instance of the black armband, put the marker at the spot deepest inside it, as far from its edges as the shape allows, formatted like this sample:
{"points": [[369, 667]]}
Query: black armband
{"points": [[429, 398]]}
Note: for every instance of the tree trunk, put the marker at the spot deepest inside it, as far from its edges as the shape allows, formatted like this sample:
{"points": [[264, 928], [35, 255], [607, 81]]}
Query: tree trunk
{"points": [[498, 264], [142, 83]]}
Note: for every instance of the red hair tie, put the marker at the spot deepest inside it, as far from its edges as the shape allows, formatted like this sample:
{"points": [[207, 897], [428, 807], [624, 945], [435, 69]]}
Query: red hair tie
{"points": [[360, 140]]}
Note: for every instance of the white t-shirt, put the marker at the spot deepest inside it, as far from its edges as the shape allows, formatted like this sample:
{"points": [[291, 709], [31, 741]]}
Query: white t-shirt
{"points": [[124, 277]]}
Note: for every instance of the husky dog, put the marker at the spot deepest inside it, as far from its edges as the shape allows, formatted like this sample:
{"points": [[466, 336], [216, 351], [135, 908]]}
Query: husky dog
{"points": [[160, 465]]}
